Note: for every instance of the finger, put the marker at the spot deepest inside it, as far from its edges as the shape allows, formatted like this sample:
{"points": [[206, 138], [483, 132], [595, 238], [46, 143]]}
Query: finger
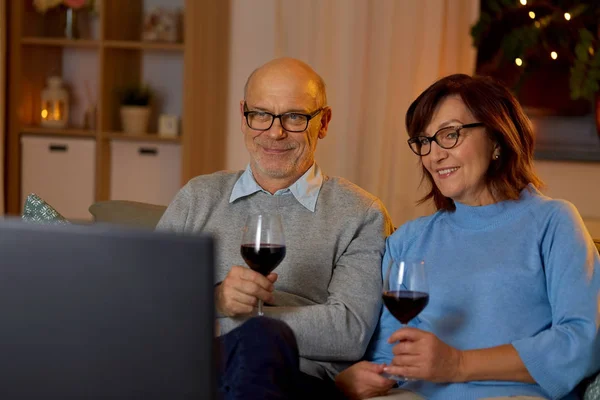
{"points": [[371, 367], [405, 347], [407, 361], [407, 333], [252, 289], [243, 298], [379, 382], [257, 278], [403, 371], [272, 277], [233, 302]]}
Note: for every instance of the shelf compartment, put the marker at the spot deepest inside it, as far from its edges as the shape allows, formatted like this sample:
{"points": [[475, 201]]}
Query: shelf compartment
{"points": [[147, 137], [137, 45], [60, 42], [43, 131]]}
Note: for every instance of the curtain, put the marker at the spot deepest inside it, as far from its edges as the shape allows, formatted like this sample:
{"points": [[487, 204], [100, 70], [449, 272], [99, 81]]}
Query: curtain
{"points": [[375, 57], [3, 93]]}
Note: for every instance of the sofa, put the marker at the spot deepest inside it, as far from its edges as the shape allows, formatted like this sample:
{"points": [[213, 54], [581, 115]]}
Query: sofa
{"points": [[146, 216], [127, 213]]}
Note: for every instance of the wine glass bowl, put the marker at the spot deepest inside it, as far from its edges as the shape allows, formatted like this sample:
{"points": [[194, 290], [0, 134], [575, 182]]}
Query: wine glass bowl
{"points": [[263, 244]]}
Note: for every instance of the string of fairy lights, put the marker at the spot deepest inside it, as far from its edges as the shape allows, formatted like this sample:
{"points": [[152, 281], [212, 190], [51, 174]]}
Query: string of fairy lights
{"points": [[553, 54]]}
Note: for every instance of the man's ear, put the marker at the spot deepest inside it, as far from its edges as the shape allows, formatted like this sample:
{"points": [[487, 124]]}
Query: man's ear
{"points": [[325, 119], [242, 120]]}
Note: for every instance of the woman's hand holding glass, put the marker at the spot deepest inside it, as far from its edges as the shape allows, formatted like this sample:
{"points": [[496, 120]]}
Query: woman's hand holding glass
{"points": [[422, 355], [417, 354], [405, 293]]}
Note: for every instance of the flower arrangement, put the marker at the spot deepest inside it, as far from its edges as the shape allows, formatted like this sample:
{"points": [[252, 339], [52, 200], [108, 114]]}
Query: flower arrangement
{"points": [[44, 5]]}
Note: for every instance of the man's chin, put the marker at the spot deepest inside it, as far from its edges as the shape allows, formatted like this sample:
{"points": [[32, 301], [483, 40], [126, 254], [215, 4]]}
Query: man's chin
{"points": [[274, 172]]}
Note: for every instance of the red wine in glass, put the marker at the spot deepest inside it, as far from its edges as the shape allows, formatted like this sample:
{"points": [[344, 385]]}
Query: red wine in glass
{"points": [[404, 305], [405, 292], [263, 244], [263, 258]]}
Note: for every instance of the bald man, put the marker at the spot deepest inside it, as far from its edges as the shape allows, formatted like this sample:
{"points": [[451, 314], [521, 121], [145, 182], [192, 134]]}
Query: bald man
{"points": [[326, 289]]}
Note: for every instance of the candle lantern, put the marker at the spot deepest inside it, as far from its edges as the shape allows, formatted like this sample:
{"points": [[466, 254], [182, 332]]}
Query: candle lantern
{"points": [[55, 104]]}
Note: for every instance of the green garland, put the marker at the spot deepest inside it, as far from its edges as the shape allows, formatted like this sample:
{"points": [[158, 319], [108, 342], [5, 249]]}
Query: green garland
{"points": [[532, 39]]}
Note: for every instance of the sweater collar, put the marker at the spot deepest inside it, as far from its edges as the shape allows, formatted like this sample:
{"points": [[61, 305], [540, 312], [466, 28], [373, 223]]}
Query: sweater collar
{"points": [[305, 189], [477, 217]]}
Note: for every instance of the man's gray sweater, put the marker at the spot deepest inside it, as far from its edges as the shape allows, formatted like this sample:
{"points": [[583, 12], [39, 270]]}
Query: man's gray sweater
{"points": [[329, 285]]}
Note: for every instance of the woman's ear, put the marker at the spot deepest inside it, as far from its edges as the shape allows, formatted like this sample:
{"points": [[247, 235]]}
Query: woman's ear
{"points": [[496, 152]]}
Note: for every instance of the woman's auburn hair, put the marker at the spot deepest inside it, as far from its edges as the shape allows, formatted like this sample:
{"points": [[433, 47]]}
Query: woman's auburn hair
{"points": [[492, 104]]}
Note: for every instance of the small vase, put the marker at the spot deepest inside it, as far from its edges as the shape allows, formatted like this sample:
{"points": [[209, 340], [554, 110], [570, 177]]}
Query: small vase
{"points": [[72, 24]]}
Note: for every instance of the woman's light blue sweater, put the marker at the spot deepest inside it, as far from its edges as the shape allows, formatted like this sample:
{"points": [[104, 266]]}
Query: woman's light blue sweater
{"points": [[523, 272]]}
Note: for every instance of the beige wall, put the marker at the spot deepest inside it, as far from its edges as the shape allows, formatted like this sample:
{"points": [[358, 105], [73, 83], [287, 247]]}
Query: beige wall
{"points": [[252, 43], [3, 32], [578, 183]]}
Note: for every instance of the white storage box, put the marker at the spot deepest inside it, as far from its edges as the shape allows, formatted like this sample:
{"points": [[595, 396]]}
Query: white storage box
{"points": [[61, 171], [147, 172]]}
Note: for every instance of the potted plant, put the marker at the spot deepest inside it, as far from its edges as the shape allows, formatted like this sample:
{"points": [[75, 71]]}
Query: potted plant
{"points": [[135, 108], [548, 51]]}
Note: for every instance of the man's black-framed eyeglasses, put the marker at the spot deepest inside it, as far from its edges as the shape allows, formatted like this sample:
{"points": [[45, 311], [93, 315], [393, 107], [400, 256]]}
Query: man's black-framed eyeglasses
{"points": [[446, 138], [290, 121]]}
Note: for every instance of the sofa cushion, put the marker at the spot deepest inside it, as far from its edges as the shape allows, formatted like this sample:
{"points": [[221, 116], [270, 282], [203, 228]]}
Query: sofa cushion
{"points": [[127, 213], [37, 210]]}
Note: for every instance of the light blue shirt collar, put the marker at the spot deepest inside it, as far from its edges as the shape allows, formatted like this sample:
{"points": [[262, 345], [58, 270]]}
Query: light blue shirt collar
{"points": [[305, 189]]}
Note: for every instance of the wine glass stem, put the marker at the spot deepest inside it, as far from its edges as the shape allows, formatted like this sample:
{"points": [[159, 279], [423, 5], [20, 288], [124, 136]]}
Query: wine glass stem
{"points": [[260, 308]]}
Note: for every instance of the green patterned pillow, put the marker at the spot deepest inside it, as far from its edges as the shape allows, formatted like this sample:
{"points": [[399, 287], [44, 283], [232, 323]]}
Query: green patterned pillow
{"points": [[37, 210], [593, 390]]}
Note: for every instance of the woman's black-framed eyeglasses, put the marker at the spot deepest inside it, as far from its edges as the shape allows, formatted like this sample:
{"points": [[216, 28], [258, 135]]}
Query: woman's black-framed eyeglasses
{"points": [[446, 138], [290, 121]]}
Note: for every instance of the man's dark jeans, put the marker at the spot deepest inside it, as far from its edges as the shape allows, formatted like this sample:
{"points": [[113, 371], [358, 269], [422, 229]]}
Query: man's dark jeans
{"points": [[260, 360]]}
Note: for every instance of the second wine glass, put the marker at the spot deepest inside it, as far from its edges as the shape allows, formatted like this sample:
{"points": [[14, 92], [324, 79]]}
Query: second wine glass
{"points": [[405, 291], [263, 244]]}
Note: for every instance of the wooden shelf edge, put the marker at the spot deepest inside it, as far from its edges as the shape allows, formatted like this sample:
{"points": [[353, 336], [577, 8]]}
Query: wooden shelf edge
{"points": [[42, 41], [139, 45], [148, 137], [38, 130]]}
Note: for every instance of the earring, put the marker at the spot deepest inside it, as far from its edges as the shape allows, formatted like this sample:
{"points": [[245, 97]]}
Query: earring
{"points": [[496, 156]]}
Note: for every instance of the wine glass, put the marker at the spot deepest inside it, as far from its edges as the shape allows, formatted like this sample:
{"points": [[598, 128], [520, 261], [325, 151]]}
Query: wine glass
{"points": [[263, 244], [405, 292]]}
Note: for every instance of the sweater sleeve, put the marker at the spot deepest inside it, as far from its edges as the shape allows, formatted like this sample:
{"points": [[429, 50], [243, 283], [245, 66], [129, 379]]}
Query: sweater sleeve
{"points": [[175, 217], [340, 329], [559, 357]]}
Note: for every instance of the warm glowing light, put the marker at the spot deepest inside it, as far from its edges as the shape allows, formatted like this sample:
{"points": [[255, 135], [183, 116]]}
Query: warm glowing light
{"points": [[567, 16], [531, 15], [44, 114], [519, 62], [524, 2], [537, 24], [554, 55], [591, 51]]}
